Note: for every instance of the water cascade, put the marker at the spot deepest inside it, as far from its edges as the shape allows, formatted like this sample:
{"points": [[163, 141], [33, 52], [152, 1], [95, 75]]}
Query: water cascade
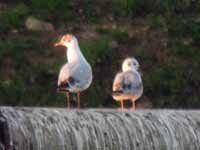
{"points": [[98, 129]]}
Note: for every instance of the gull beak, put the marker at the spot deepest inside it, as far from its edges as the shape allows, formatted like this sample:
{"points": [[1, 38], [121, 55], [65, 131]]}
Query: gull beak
{"points": [[59, 43]]}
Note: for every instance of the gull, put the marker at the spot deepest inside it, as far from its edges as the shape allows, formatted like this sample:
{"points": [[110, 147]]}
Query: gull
{"points": [[127, 84], [76, 75]]}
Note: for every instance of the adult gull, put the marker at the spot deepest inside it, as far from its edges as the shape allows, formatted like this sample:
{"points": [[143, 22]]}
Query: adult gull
{"points": [[76, 75]]}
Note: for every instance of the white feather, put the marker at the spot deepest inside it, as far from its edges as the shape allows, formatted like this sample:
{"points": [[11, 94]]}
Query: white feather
{"points": [[77, 68], [128, 83]]}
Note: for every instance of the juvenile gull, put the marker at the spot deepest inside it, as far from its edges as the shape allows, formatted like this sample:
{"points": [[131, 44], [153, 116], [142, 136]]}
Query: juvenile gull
{"points": [[76, 75], [127, 84]]}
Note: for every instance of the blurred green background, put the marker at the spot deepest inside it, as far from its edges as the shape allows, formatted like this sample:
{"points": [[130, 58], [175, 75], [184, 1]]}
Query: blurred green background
{"points": [[164, 35]]}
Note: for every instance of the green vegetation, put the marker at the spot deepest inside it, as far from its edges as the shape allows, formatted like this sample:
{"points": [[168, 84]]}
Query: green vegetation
{"points": [[51, 10], [128, 7], [163, 35], [156, 22], [117, 34], [11, 19], [23, 73], [97, 51]]}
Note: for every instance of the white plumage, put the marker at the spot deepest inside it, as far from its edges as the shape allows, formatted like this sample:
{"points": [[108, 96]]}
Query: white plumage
{"points": [[127, 84], [76, 75]]}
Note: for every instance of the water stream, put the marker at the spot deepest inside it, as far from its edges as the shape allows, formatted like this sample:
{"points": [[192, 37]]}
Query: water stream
{"points": [[98, 129]]}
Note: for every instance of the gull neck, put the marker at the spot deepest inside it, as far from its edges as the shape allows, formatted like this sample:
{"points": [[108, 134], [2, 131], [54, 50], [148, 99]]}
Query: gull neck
{"points": [[74, 54]]}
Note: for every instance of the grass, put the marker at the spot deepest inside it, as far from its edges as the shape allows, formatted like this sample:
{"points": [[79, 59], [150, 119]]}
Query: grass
{"points": [[156, 22], [127, 7], [116, 34], [20, 82], [14, 17], [29, 68], [51, 10], [97, 51]]}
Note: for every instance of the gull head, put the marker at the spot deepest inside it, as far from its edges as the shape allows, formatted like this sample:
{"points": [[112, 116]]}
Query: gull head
{"points": [[68, 40], [130, 64]]}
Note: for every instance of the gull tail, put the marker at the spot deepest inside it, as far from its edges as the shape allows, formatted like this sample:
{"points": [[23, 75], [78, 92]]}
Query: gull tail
{"points": [[63, 88], [60, 89], [116, 93]]}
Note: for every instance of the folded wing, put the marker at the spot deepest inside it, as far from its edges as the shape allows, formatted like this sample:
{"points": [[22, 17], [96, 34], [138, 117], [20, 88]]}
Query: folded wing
{"points": [[66, 78], [127, 83]]}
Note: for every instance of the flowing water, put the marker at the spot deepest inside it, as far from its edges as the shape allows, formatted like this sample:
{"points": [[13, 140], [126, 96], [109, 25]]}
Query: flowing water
{"points": [[98, 129]]}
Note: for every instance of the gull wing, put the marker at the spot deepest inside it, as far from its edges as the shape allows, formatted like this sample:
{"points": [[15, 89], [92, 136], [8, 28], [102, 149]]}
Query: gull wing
{"points": [[127, 83], [66, 74]]}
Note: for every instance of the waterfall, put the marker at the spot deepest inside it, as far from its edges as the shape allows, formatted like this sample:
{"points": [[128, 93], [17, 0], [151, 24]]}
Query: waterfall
{"points": [[26, 128]]}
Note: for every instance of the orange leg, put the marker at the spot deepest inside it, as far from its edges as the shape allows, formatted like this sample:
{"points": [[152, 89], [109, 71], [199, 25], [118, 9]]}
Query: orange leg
{"points": [[78, 99], [122, 105], [68, 100], [133, 105]]}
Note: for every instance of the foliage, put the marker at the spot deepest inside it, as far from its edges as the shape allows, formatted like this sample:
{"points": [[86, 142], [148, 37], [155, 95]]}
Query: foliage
{"points": [[184, 27], [156, 22], [97, 51], [14, 17], [127, 7], [29, 68], [116, 34], [22, 77], [167, 7], [51, 9], [195, 31]]}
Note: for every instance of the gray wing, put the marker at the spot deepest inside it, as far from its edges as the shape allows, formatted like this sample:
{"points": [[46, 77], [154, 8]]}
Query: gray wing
{"points": [[118, 82], [66, 75], [75, 76], [128, 83]]}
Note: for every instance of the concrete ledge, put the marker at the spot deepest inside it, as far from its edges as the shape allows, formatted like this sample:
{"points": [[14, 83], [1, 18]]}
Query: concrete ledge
{"points": [[98, 129]]}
